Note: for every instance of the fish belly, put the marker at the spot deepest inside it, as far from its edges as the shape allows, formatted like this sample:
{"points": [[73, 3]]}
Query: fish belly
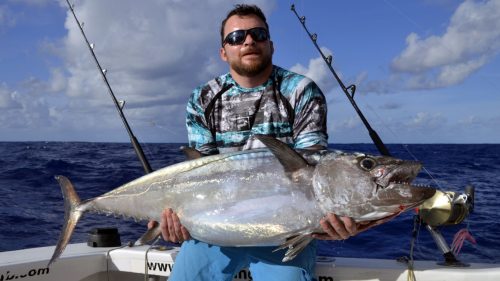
{"points": [[238, 199], [247, 201]]}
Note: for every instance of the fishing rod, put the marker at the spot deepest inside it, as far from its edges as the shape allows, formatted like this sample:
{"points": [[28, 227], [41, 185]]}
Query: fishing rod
{"points": [[119, 105], [445, 208], [349, 91]]}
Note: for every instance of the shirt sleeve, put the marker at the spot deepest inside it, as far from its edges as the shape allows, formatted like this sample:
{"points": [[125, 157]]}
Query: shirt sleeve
{"points": [[310, 117], [199, 134]]}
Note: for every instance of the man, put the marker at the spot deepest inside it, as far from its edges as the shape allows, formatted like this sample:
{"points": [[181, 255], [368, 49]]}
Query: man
{"points": [[255, 97]]}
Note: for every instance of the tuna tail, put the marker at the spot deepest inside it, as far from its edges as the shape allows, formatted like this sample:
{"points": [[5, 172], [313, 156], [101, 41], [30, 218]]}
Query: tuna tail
{"points": [[71, 215]]}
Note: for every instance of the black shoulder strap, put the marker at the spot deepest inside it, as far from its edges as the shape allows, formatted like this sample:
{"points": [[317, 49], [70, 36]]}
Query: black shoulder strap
{"points": [[210, 107], [276, 85], [288, 107]]}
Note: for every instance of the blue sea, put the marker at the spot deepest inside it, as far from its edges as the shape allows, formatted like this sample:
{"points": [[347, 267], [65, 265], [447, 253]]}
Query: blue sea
{"points": [[31, 204]]}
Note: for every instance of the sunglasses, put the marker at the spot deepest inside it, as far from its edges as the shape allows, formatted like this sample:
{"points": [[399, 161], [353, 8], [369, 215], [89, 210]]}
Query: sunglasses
{"points": [[237, 37]]}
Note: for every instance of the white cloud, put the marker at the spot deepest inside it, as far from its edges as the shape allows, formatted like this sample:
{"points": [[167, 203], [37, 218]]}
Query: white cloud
{"points": [[7, 19], [471, 40], [33, 2], [7, 100], [318, 71], [426, 121], [23, 110], [391, 105], [470, 120], [351, 122], [155, 54], [57, 81]]}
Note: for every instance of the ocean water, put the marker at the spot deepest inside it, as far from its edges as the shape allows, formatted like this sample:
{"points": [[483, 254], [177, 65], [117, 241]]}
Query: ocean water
{"points": [[31, 204]]}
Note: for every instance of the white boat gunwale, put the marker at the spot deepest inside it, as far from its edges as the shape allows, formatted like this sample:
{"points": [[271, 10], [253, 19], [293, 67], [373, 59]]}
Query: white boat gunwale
{"points": [[82, 262]]}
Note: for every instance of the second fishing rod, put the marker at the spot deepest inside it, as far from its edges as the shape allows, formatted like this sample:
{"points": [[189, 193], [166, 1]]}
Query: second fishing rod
{"points": [[349, 91], [119, 106]]}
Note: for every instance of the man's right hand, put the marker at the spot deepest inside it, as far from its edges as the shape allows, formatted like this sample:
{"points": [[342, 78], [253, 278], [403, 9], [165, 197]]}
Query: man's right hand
{"points": [[171, 228]]}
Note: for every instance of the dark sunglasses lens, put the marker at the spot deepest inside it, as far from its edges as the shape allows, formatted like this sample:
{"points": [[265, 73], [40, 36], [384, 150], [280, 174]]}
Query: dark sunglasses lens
{"points": [[258, 34], [238, 37]]}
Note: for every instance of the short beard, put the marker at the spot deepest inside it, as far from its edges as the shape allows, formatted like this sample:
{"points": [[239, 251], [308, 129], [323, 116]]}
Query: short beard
{"points": [[253, 69]]}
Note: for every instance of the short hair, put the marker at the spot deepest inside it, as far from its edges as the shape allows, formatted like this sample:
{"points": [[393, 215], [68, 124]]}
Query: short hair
{"points": [[243, 10]]}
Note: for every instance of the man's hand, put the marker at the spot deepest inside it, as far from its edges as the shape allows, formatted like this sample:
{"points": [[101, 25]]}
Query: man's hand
{"points": [[171, 228], [341, 228]]}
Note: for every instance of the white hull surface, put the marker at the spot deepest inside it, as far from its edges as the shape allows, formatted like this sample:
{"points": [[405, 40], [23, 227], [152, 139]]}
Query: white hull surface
{"points": [[80, 262]]}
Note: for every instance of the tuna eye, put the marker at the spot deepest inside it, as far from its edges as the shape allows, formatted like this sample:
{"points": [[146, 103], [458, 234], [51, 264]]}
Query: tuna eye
{"points": [[367, 164]]}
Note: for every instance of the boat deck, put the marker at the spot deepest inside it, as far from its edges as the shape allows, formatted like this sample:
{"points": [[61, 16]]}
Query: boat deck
{"points": [[80, 262]]}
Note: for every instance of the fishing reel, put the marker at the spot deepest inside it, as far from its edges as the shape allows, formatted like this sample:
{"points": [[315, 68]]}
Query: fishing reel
{"points": [[446, 208]]}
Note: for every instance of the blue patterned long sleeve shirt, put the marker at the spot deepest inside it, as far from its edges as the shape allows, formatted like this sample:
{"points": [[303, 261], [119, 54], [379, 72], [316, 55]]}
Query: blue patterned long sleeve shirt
{"points": [[223, 116]]}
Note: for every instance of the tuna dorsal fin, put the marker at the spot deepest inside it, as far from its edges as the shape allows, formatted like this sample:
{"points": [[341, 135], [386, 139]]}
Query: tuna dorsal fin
{"points": [[289, 158], [191, 153]]}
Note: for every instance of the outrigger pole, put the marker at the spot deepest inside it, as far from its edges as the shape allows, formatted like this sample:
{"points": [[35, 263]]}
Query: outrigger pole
{"points": [[349, 91], [119, 105]]}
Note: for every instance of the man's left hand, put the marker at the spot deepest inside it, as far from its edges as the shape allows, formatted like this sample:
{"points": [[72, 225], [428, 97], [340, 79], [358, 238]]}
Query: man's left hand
{"points": [[341, 228]]}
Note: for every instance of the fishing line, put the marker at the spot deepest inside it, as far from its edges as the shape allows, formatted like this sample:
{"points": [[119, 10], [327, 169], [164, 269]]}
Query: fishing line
{"points": [[416, 228], [151, 148], [405, 146], [414, 23], [349, 91], [409, 261], [129, 244], [403, 14], [167, 128], [146, 261]]}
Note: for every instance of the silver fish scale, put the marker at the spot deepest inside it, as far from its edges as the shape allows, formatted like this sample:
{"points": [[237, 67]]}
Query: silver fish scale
{"points": [[232, 199], [252, 202]]}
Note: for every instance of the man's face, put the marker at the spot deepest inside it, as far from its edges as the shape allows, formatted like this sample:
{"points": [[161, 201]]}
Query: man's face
{"points": [[252, 57]]}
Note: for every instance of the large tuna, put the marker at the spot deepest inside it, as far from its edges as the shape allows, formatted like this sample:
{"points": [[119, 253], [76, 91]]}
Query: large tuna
{"points": [[262, 197]]}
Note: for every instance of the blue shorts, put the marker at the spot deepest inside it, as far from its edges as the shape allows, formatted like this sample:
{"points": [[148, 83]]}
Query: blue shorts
{"points": [[201, 261]]}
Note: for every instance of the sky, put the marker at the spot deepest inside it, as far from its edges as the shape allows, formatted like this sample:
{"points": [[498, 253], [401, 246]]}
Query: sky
{"points": [[425, 71]]}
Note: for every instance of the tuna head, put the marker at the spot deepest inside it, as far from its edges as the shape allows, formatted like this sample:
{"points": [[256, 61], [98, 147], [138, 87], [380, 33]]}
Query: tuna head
{"points": [[367, 187]]}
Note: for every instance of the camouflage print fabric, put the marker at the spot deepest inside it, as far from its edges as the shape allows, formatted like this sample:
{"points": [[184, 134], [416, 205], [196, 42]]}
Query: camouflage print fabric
{"points": [[288, 106]]}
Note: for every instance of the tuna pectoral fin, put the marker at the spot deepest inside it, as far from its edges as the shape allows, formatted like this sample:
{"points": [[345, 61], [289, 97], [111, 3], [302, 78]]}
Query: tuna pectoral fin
{"points": [[150, 235], [71, 215], [295, 245]]}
